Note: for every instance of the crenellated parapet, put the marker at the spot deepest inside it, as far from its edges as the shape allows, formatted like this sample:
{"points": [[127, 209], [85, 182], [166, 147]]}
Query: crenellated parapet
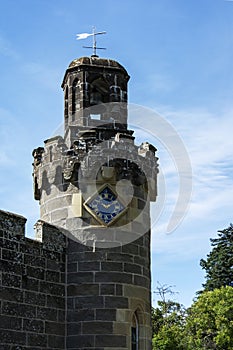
{"points": [[61, 172]]}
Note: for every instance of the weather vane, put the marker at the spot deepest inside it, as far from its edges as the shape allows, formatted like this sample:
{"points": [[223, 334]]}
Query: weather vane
{"points": [[93, 34]]}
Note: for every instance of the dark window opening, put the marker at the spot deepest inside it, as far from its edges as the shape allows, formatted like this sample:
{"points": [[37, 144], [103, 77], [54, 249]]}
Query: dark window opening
{"points": [[134, 333], [134, 338], [75, 96], [66, 103]]}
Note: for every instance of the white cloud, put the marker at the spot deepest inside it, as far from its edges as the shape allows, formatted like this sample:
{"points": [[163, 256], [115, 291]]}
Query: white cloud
{"points": [[209, 142]]}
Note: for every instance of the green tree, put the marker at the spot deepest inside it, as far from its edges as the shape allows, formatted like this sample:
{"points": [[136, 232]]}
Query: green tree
{"points": [[219, 262], [209, 324], [168, 321]]}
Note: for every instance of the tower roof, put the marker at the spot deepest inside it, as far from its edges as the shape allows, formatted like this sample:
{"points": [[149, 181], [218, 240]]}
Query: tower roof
{"points": [[94, 61]]}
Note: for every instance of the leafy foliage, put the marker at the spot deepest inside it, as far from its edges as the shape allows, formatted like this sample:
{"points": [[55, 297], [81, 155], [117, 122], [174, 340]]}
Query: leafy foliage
{"points": [[209, 324], [167, 323], [219, 262]]}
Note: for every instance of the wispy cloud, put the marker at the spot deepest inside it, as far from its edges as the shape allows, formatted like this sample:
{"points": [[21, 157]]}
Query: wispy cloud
{"points": [[6, 49], [47, 76], [209, 142]]}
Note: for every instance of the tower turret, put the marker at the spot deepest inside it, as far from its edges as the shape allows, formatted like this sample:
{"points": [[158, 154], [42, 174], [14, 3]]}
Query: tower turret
{"points": [[95, 185], [95, 94]]}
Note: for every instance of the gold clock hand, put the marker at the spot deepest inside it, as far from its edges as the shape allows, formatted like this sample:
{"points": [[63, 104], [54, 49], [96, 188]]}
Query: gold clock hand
{"points": [[106, 206]]}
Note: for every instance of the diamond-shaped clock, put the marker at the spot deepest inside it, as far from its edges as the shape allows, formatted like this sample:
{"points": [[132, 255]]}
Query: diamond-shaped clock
{"points": [[105, 205]]}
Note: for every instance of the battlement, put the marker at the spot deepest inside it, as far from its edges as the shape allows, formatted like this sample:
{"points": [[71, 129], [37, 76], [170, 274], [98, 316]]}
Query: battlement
{"points": [[32, 290]]}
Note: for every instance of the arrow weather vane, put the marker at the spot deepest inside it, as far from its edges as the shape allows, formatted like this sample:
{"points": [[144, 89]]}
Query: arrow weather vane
{"points": [[93, 34]]}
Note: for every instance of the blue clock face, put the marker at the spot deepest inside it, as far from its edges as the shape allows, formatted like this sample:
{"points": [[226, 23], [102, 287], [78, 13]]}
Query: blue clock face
{"points": [[105, 205]]}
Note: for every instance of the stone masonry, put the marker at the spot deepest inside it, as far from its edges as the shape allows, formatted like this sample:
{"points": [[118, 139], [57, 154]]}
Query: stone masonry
{"points": [[33, 287], [84, 283], [59, 294]]}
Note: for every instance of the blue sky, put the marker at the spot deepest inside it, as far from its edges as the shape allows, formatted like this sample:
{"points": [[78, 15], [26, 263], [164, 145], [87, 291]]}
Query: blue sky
{"points": [[179, 55]]}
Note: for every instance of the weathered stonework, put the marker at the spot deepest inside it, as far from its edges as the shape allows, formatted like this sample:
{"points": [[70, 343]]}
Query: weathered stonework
{"points": [[59, 294], [33, 286], [84, 283]]}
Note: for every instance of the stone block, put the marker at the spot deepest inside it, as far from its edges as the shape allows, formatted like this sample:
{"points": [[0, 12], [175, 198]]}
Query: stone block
{"points": [[139, 260], [88, 266], [122, 328], [30, 283], [34, 298], [83, 289], [52, 276], [113, 277], [133, 268], [12, 255], [55, 302], [141, 281], [12, 337], [12, 223], [136, 292], [61, 315], [79, 315], [89, 302], [117, 302], [54, 328], [111, 266], [81, 341], [130, 249], [72, 267], [119, 289], [11, 294], [74, 328], [32, 325], [118, 341], [30, 247], [57, 342], [106, 314], [10, 244], [76, 208], [80, 277], [45, 313], [120, 257], [107, 289], [10, 280], [35, 272], [12, 323], [97, 327], [11, 267], [34, 260], [55, 265], [37, 340], [52, 288], [19, 310]]}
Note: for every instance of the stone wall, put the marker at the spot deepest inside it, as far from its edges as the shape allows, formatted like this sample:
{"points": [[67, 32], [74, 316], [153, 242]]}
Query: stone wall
{"points": [[32, 287], [105, 289], [56, 293]]}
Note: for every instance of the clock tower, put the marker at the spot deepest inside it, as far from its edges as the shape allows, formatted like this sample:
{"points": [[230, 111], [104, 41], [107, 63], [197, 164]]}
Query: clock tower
{"points": [[95, 184]]}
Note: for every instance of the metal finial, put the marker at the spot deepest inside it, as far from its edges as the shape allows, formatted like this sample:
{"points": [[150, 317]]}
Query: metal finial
{"points": [[93, 34]]}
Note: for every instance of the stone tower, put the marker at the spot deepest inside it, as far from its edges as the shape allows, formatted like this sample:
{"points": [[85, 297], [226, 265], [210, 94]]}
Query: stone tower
{"points": [[95, 185]]}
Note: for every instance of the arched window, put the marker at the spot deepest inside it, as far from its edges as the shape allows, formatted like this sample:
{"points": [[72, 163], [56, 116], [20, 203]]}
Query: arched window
{"points": [[95, 97], [75, 96], [66, 105], [134, 333]]}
